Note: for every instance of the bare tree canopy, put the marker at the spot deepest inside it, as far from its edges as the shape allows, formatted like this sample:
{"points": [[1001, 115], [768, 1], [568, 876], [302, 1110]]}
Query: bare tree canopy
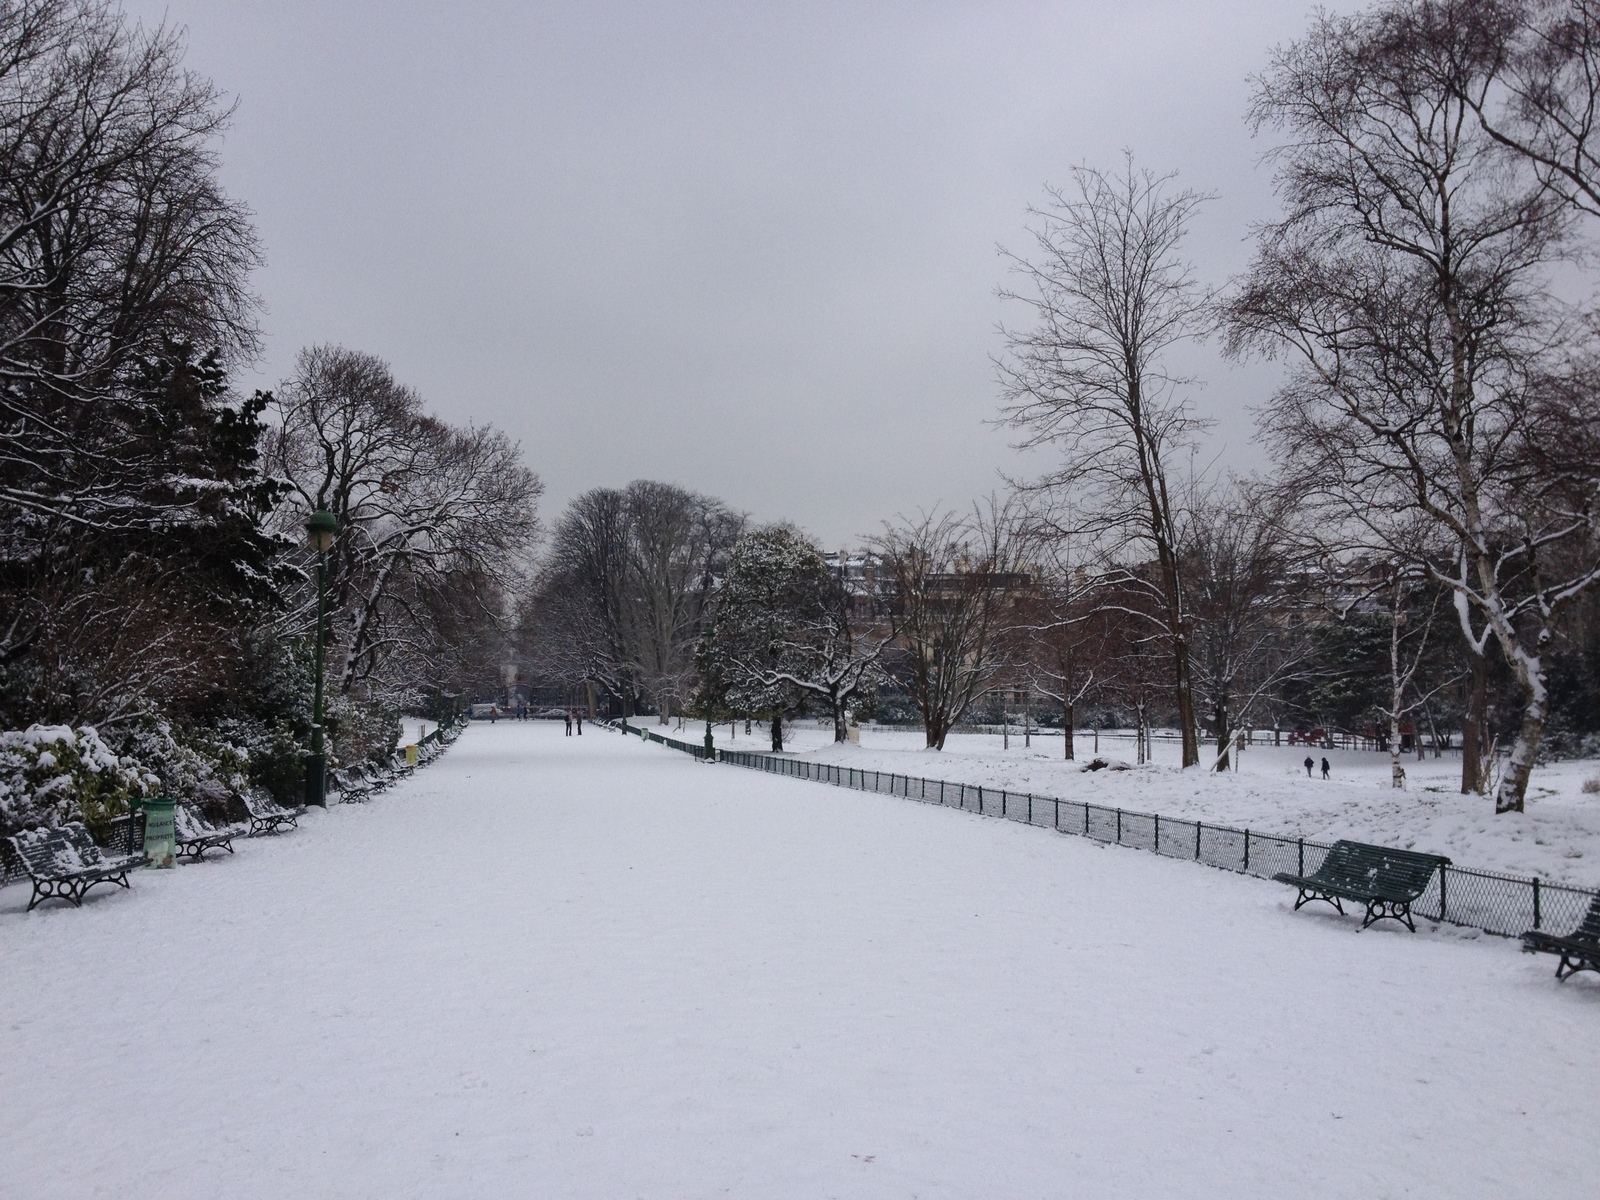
{"points": [[1110, 295], [435, 523], [126, 466], [1410, 283], [1240, 553], [956, 585], [625, 591]]}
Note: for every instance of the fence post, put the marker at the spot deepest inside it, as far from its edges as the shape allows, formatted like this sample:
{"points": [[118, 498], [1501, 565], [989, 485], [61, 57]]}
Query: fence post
{"points": [[1058, 813], [1247, 851], [1158, 833], [1197, 841], [1119, 827], [1536, 902], [1442, 870], [1002, 802], [1030, 808], [980, 800], [1086, 820], [1302, 859]]}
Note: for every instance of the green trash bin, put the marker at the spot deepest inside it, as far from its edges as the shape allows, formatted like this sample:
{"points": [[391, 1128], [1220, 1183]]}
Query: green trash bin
{"points": [[160, 831]]}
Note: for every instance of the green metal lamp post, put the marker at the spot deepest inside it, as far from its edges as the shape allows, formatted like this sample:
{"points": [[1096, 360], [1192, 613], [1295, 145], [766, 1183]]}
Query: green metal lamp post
{"points": [[320, 528]]}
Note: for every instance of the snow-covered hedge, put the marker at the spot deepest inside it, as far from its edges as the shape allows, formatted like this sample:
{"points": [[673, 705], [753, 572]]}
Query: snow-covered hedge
{"points": [[190, 765], [359, 730], [55, 773]]}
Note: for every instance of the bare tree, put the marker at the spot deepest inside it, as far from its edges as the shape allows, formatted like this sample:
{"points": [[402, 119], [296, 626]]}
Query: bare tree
{"points": [[1408, 656], [1110, 296], [628, 583], [583, 591], [1410, 283], [678, 544], [1064, 635], [957, 582], [435, 523], [1539, 97], [1238, 559], [124, 304]]}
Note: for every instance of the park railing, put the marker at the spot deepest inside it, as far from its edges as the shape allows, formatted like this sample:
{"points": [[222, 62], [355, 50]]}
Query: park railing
{"points": [[1489, 900]]}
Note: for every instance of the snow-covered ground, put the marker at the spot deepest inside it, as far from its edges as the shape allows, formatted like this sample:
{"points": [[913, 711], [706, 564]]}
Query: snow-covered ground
{"points": [[564, 967], [1557, 838]]}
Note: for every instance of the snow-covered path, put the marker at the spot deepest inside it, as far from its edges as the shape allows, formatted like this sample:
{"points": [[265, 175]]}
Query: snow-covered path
{"points": [[555, 967]]}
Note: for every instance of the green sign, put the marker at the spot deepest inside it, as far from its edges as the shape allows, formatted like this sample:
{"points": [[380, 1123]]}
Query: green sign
{"points": [[160, 832]]}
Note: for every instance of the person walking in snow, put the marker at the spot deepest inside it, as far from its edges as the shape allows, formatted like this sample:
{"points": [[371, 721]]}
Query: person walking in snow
{"points": [[1324, 768], [1310, 762], [578, 718], [569, 722]]}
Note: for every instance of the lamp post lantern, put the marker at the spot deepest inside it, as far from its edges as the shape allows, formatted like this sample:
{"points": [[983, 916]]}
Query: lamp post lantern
{"points": [[320, 528]]}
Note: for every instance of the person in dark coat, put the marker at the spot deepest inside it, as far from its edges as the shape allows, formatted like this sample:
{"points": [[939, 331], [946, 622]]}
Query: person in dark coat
{"points": [[1324, 768], [1310, 762], [569, 722]]}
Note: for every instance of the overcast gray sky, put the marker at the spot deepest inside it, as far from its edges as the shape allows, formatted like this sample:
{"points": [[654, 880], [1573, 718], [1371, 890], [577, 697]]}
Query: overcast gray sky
{"points": [[750, 249]]}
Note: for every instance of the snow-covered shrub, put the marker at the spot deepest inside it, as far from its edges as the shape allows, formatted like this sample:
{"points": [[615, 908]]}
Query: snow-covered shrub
{"points": [[1563, 743], [359, 730], [50, 774], [1591, 787], [191, 765], [277, 756]]}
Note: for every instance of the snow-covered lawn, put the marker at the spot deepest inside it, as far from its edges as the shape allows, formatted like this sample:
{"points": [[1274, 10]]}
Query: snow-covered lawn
{"points": [[1557, 838], [563, 967]]}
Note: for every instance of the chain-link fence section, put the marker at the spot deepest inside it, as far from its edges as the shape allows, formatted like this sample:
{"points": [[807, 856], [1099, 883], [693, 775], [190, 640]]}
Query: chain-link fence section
{"points": [[1487, 900]]}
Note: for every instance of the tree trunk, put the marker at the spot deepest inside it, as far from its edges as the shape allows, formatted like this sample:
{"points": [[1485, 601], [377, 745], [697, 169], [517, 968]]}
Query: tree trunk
{"points": [[1513, 789], [1066, 727], [1474, 725], [1183, 678], [777, 732], [1397, 773], [1433, 731], [1224, 736], [839, 734]]}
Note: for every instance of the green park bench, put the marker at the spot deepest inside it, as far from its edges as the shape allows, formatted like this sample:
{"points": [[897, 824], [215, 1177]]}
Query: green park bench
{"points": [[266, 814], [196, 835], [1386, 881], [64, 863], [1579, 950]]}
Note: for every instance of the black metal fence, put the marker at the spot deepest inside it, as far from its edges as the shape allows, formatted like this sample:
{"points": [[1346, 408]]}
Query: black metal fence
{"points": [[1487, 900]]}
